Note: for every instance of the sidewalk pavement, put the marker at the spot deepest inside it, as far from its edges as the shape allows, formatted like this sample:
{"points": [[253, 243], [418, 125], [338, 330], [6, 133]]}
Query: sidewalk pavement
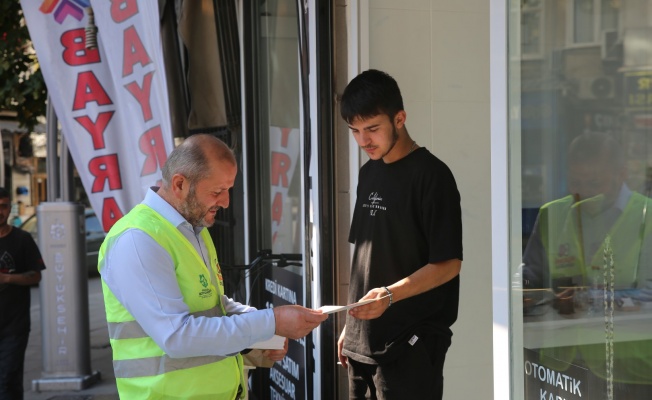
{"points": [[100, 352]]}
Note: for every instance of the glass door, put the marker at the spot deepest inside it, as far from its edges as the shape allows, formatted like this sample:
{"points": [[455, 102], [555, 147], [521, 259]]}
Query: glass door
{"points": [[275, 172], [581, 129]]}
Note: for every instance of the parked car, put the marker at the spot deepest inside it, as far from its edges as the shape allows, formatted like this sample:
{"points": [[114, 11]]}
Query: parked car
{"points": [[94, 237]]}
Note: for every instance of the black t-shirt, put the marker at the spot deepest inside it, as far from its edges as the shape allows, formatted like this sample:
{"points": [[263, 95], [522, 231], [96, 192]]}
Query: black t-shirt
{"points": [[407, 214], [19, 252]]}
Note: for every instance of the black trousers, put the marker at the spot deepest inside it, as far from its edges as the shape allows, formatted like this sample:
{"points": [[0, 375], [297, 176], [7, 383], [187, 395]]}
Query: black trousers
{"points": [[417, 373], [12, 362]]}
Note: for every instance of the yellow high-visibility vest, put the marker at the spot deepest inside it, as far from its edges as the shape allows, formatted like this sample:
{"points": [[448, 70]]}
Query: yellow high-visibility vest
{"points": [[561, 233], [142, 369]]}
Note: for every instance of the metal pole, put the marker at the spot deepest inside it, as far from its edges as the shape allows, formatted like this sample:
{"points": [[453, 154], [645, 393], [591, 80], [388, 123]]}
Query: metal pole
{"points": [[66, 167], [63, 288], [52, 156]]}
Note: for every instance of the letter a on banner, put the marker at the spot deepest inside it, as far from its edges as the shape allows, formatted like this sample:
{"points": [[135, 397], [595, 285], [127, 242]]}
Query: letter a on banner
{"points": [[111, 100]]}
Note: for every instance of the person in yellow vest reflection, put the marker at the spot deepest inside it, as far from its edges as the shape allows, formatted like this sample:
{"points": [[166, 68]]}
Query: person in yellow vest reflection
{"points": [[174, 333], [596, 239]]}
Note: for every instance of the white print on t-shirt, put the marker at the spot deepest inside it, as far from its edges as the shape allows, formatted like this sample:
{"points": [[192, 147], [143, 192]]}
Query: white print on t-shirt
{"points": [[374, 204], [7, 262]]}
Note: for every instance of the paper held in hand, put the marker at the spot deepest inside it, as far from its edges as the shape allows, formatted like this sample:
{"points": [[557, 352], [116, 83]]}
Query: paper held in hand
{"points": [[334, 309], [276, 342]]}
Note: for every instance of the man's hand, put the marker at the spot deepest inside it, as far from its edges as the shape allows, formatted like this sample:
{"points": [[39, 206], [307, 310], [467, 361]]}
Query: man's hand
{"points": [[25, 279], [295, 322], [4, 278], [277, 355], [344, 360], [374, 309]]}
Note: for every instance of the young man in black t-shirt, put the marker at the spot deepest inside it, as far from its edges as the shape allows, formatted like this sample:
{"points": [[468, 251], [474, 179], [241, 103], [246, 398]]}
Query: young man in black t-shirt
{"points": [[20, 267], [407, 232]]}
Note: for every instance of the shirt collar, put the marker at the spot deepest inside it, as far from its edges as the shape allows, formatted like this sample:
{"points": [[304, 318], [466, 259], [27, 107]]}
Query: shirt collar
{"points": [[623, 197], [594, 205], [157, 203]]}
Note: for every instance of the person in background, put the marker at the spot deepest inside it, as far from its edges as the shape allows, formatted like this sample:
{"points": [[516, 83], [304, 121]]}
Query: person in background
{"points": [[20, 267], [407, 236], [173, 332], [564, 262], [566, 247]]}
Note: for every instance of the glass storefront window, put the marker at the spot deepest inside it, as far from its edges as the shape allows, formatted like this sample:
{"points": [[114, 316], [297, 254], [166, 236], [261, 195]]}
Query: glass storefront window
{"points": [[583, 118], [531, 33], [280, 172], [583, 21], [278, 200], [609, 14], [591, 18]]}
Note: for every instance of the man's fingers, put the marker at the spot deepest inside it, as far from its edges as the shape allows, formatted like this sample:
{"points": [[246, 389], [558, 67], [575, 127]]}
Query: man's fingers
{"points": [[275, 355], [316, 317], [296, 322]]}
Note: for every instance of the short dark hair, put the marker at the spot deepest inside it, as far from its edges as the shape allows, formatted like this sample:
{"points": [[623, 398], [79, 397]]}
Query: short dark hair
{"points": [[371, 93], [4, 193]]}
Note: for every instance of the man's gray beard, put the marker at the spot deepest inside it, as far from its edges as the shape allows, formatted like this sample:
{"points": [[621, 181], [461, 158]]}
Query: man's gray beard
{"points": [[191, 208]]}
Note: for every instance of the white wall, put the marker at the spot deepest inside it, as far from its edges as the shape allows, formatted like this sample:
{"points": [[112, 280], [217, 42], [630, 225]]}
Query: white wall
{"points": [[438, 51]]}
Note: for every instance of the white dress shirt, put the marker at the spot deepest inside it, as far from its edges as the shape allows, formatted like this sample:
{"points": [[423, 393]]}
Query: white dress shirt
{"points": [[140, 273]]}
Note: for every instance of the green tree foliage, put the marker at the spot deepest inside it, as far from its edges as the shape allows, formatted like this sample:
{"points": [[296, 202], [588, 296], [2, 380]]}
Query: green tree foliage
{"points": [[22, 88]]}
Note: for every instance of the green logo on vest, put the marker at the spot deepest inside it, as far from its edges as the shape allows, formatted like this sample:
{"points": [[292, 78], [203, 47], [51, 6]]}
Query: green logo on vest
{"points": [[203, 280]]}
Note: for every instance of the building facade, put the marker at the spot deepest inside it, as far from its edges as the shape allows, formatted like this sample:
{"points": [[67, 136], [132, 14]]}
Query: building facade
{"points": [[542, 109]]}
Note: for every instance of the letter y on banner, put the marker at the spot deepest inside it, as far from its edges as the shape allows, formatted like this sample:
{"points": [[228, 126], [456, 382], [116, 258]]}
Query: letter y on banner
{"points": [[111, 100]]}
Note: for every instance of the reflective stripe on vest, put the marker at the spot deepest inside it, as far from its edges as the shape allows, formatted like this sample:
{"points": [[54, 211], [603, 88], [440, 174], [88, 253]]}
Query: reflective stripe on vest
{"points": [[151, 366], [142, 369], [133, 330]]}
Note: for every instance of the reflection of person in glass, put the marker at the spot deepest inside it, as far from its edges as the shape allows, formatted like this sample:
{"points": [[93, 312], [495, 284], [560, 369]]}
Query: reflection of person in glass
{"points": [[596, 238]]}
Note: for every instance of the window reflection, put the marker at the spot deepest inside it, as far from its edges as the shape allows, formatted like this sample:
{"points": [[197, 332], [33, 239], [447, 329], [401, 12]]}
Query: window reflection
{"points": [[583, 21], [585, 128], [531, 34], [281, 136], [609, 14]]}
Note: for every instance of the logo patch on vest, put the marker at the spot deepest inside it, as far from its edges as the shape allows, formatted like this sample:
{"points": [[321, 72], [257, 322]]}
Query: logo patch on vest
{"points": [[564, 257], [205, 292], [219, 271]]}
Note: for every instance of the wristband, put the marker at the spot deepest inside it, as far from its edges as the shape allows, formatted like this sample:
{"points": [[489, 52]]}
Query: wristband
{"points": [[391, 299]]}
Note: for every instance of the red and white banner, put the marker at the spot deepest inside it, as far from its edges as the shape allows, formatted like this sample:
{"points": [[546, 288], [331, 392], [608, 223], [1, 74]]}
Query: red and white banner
{"points": [[112, 100], [284, 148]]}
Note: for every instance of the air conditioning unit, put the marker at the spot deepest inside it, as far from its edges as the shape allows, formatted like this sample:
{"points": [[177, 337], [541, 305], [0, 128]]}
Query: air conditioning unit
{"points": [[596, 88], [611, 46]]}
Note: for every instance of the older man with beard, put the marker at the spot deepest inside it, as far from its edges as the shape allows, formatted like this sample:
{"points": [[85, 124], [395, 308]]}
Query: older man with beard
{"points": [[173, 332]]}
